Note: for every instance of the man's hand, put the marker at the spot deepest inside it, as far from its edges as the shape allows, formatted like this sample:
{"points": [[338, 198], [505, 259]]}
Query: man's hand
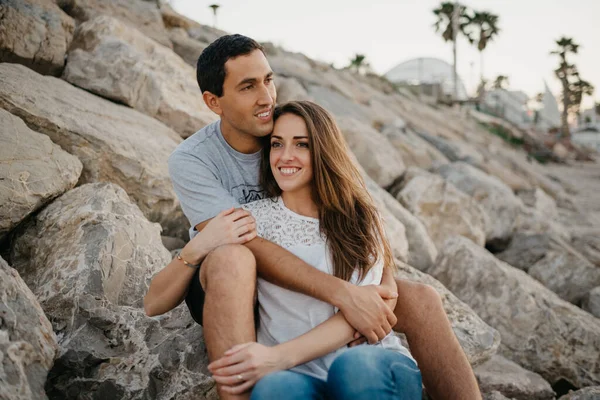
{"points": [[365, 309], [232, 226]]}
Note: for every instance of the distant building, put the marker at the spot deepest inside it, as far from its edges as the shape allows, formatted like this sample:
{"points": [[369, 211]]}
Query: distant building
{"points": [[431, 74], [549, 115]]}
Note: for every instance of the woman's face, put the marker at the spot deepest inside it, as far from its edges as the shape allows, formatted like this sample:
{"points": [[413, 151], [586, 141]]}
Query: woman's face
{"points": [[290, 155]]}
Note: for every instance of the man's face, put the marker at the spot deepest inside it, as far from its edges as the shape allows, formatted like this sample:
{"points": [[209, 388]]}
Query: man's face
{"points": [[248, 95]]}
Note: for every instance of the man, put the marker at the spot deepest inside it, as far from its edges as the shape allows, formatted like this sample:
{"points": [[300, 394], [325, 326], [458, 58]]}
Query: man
{"points": [[217, 169]]}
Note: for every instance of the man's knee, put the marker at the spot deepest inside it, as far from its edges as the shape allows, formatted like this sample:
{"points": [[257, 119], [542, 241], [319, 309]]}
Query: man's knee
{"points": [[228, 264], [418, 299]]}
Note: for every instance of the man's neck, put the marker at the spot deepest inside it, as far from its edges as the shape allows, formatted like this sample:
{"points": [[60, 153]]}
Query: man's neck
{"points": [[240, 141]]}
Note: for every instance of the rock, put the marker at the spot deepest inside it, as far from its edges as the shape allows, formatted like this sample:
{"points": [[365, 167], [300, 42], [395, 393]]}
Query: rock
{"points": [[373, 151], [498, 201], [478, 340], [554, 263], [289, 89], [495, 395], [498, 169], [144, 16], [587, 242], [172, 243], [113, 142], [591, 302], [33, 170], [421, 249], [444, 210], [35, 33], [413, 149], [336, 103], [540, 331], [115, 61], [538, 199], [454, 150], [508, 378], [89, 257], [186, 47], [27, 343], [588, 393]]}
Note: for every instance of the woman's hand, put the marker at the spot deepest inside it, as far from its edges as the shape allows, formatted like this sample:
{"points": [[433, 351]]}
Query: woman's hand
{"points": [[243, 365], [232, 226]]}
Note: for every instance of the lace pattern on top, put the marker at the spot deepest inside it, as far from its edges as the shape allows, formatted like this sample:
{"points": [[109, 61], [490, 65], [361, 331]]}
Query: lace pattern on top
{"points": [[280, 225]]}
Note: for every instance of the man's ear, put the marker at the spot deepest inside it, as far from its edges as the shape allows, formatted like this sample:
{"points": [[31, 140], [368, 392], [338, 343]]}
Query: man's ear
{"points": [[212, 102]]}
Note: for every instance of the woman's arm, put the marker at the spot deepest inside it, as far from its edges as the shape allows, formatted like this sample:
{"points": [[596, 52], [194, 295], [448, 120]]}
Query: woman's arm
{"points": [[169, 287]]}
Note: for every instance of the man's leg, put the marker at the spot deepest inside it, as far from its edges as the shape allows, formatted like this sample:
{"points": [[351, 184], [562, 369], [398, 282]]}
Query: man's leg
{"points": [[446, 371], [288, 385], [373, 373], [228, 276]]}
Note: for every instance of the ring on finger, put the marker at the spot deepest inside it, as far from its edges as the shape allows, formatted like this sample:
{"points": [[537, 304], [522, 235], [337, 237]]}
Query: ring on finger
{"points": [[240, 377]]}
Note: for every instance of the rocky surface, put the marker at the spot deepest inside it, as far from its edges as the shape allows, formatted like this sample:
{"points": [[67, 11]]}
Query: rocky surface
{"points": [[554, 263], [144, 16], [497, 200], [113, 142], [591, 302], [589, 393], [27, 343], [504, 376], [444, 210], [35, 33], [540, 332], [479, 341], [115, 61], [88, 258], [33, 171]]}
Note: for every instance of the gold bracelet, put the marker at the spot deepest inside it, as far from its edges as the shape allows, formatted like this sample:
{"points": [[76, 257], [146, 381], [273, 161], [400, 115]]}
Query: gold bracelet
{"points": [[187, 263]]}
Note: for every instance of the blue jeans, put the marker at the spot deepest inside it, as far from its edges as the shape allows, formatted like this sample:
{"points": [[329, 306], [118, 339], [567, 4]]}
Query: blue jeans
{"points": [[361, 373]]}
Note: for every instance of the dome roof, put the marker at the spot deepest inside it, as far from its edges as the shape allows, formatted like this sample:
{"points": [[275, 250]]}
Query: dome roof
{"points": [[427, 70]]}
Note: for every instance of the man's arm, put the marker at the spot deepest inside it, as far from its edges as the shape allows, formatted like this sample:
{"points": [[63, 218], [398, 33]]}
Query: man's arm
{"points": [[363, 307]]}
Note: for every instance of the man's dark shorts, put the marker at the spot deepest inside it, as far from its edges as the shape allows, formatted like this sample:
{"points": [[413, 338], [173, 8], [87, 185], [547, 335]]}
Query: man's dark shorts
{"points": [[195, 297]]}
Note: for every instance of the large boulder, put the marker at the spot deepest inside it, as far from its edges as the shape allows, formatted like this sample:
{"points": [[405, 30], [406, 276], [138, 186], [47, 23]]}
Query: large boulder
{"points": [[115, 61], [186, 47], [35, 33], [143, 15], [444, 210], [508, 378], [499, 202], [27, 343], [413, 149], [373, 151], [554, 263], [89, 257], [421, 249], [478, 340], [454, 150], [114, 143], [289, 89], [540, 331], [587, 242], [33, 170]]}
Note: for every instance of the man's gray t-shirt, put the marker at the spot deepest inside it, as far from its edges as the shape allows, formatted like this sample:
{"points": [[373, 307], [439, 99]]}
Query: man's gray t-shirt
{"points": [[210, 176]]}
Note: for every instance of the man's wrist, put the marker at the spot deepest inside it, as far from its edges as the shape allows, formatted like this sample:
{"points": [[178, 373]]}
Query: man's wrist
{"points": [[193, 256], [339, 293]]}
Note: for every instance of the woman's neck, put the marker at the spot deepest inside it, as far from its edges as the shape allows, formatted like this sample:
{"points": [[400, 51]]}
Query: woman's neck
{"points": [[301, 202]]}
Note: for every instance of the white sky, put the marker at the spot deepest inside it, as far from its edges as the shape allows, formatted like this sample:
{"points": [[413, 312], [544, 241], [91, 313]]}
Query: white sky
{"points": [[393, 31]]}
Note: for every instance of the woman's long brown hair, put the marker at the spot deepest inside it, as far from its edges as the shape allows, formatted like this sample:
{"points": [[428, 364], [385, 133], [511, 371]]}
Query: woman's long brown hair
{"points": [[347, 214]]}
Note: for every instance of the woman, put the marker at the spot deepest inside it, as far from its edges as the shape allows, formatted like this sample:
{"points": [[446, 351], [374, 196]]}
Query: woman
{"points": [[319, 209]]}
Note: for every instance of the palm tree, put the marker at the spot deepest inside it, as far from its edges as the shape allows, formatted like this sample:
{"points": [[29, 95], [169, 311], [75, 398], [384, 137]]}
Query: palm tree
{"points": [[597, 108], [448, 17], [578, 89], [565, 72], [500, 82], [487, 24], [214, 7], [358, 62]]}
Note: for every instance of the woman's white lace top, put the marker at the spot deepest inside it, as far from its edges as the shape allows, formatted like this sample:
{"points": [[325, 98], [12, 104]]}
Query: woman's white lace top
{"points": [[285, 314]]}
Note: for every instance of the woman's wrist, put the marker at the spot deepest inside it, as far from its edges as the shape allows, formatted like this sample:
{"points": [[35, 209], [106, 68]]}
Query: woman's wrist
{"points": [[287, 355]]}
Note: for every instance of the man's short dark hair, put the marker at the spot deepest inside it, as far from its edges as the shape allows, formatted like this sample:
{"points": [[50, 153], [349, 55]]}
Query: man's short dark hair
{"points": [[210, 70]]}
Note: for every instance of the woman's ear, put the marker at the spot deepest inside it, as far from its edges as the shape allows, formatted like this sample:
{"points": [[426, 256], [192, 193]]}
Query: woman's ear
{"points": [[212, 102]]}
